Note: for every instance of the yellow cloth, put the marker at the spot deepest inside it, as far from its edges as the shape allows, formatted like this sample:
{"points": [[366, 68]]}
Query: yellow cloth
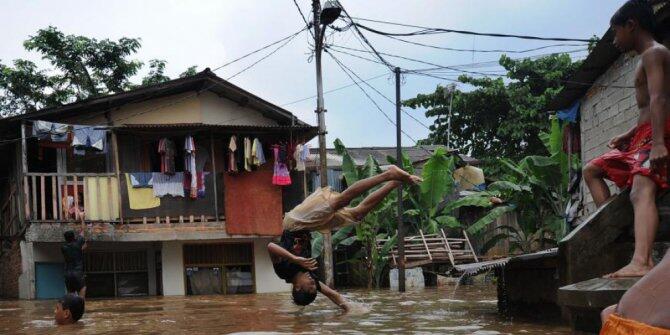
{"points": [[101, 198], [141, 198], [468, 177], [617, 325]]}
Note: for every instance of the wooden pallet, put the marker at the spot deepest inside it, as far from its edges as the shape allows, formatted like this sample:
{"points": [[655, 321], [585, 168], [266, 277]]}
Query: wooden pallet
{"points": [[425, 249]]}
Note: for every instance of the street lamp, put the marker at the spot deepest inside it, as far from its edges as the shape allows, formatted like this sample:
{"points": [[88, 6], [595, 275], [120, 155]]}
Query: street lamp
{"points": [[331, 11]]}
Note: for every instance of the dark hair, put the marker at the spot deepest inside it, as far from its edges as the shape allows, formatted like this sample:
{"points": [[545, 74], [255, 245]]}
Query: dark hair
{"points": [[638, 10], [69, 236], [73, 303], [303, 298]]}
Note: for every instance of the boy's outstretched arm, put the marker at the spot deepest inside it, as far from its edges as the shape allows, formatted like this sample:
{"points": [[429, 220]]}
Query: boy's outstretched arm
{"points": [[277, 253], [82, 233], [652, 61], [335, 297]]}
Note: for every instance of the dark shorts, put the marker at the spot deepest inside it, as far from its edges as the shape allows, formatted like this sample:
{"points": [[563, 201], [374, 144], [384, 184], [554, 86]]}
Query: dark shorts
{"points": [[74, 281]]}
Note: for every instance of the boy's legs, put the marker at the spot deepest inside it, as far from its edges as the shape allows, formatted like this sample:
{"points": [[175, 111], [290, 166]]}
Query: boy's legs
{"points": [[362, 186], [372, 200], [594, 178], [643, 197]]}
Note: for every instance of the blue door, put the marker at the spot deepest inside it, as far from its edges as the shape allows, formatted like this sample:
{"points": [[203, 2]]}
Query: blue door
{"points": [[49, 283]]}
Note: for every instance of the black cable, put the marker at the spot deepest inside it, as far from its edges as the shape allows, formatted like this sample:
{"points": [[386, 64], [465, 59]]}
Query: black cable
{"points": [[358, 31], [333, 90], [304, 19], [484, 51], [266, 56], [261, 49], [428, 30]]}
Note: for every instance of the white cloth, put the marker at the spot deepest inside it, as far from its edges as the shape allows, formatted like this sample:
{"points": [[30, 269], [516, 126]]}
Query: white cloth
{"points": [[168, 184]]}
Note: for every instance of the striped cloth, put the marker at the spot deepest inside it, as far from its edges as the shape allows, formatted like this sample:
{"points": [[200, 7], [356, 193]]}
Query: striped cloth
{"points": [[168, 184]]}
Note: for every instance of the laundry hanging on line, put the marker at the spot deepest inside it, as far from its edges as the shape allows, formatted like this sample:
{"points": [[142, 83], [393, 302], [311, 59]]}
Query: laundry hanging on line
{"points": [[88, 137], [166, 149], [165, 184]]}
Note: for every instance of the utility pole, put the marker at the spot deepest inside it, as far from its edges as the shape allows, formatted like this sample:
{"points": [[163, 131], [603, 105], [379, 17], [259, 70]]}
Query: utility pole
{"points": [[320, 114], [399, 163], [452, 89]]}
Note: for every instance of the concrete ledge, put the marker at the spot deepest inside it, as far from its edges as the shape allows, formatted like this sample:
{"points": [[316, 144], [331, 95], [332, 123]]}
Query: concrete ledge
{"points": [[595, 293], [135, 232]]}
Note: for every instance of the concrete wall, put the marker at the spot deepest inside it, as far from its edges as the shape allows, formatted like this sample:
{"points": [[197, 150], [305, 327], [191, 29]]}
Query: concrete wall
{"points": [[222, 111], [173, 268], [607, 112], [266, 280]]}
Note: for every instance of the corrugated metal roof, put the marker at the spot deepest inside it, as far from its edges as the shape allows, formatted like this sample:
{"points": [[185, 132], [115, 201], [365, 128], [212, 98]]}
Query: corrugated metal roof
{"points": [[204, 125]]}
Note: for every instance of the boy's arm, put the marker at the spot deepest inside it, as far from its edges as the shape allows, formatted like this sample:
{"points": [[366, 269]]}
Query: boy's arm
{"points": [[652, 61], [335, 297], [277, 253]]}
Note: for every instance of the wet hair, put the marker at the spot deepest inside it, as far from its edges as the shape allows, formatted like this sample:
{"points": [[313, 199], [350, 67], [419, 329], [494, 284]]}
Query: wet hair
{"points": [[303, 298], [69, 236], [638, 10], [73, 303]]}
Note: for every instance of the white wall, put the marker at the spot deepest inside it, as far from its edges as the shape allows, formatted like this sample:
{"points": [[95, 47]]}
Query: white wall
{"points": [[266, 279], [173, 268], [222, 111]]}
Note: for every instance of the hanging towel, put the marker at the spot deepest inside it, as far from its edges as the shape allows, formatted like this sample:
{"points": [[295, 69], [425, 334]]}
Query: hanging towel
{"points": [[140, 198], [299, 163], [141, 179], [281, 176], [247, 154], [257, 151], [232, 147], [165, 184], [56, 132], [189, 164], [166, 149], [101, 198]]}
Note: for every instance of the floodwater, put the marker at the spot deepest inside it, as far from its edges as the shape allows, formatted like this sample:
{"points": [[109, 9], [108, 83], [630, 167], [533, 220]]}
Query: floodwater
{"points": [[470, 309]]}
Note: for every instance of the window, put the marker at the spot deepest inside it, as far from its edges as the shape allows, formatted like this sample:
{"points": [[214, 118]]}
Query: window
{"points": [[219, 268], [116, 274]]}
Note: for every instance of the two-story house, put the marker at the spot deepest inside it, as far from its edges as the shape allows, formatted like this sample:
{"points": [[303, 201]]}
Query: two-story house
{"points": [[169, 180]]}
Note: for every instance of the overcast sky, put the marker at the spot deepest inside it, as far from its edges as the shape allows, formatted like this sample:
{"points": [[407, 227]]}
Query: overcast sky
{"points": [[210, 33]]}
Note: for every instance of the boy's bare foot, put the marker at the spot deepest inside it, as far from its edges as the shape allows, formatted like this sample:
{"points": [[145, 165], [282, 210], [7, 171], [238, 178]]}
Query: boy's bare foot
{"points": [[416, 180], [396, 173], [631, 270]]}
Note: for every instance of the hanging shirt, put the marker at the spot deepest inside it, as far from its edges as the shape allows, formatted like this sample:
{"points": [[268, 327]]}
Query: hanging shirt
{"points": [[189, 164], [281, 175], [247, 154], [257, 152], [166, 149], [232, 147], [299, 163], [165, 184], [56, 132]]}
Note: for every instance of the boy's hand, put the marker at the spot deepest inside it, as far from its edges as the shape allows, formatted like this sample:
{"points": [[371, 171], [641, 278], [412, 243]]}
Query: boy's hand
{"points": [[309, 264], [344, 307], [618, 142], [659, 157]]}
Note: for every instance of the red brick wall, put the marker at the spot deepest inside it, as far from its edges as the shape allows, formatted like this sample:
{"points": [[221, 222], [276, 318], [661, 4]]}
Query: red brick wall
{"points": [[10, 269]]}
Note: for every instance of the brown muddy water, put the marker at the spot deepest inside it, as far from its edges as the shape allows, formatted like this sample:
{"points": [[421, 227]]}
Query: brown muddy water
{"points": [[469, 309]]}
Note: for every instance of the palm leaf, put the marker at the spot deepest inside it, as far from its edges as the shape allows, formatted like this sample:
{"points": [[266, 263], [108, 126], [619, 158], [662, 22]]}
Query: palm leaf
{"points": [[491, 216]]}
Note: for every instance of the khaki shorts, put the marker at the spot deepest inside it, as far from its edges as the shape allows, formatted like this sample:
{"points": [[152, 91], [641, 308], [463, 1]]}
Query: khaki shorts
{"points": [[315, 213]]}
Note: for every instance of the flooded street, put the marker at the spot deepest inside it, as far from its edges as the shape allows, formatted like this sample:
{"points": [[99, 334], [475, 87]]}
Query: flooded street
{"points": [[470, 309]]}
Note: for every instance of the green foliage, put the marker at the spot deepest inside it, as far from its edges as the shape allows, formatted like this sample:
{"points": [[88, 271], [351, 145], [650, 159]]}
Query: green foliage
{"points": [[80, 68], [499, 118]]}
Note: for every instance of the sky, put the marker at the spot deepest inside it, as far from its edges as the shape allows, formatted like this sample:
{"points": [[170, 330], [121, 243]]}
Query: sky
{"points": [[211, 33]]}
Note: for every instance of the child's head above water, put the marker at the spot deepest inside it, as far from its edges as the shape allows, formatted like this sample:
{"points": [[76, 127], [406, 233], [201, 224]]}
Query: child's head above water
{"points": [[69, 309], [304, 288], [69, 236]]}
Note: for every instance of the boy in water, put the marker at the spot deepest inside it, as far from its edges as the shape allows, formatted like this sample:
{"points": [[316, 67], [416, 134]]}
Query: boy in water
{"points": [[69, 309], [73, 253], [639, 156], [325, 210]]}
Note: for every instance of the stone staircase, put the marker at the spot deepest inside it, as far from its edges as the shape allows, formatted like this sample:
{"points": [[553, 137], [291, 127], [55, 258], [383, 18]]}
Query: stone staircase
{"points": [[602, 244]]}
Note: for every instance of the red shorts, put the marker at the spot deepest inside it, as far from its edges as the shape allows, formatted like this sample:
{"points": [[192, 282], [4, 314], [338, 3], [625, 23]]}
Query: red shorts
{"points": [[621, 166]]}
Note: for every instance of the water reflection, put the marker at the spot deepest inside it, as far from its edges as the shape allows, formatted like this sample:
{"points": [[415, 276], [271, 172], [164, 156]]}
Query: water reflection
{"points": [[469, 310]]}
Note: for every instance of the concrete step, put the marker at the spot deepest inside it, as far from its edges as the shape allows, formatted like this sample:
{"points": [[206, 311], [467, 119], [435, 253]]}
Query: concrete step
{"points": [[583, 301]]}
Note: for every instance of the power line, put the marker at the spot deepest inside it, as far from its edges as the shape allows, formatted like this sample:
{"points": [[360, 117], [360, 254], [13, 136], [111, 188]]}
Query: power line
{"points": [[428, 31], [483, 51], [358, 31], [260, 49], [333, 90], [266, 56]]}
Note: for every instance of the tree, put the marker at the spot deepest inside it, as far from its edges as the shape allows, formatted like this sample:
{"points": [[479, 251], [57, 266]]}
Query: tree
{"points": [[81, 68], [499, 118]]}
